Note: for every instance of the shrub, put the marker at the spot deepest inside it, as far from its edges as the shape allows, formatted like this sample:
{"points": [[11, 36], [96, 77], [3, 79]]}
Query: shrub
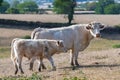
{"points": [[75, 78], [34, 76], [26, 37], [112, 9], [12, 11], [116, 46]]}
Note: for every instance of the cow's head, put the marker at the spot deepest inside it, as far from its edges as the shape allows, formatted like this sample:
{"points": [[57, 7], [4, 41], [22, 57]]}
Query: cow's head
{"points": [[61, 46], [94, 28]]}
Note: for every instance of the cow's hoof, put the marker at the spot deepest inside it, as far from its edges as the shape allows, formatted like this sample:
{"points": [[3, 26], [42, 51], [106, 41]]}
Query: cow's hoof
{"points": [[30, 69], [77, 65], [73, 68]]}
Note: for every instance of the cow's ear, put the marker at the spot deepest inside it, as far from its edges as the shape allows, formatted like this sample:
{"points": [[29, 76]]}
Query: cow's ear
{"points": [[89, 26], [102, 26]]}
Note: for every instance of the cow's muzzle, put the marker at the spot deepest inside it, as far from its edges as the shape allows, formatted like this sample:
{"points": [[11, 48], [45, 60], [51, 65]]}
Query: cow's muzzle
{"points": [[98, 35]]}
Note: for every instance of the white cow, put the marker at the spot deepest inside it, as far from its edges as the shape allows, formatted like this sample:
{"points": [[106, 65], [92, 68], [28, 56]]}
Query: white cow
{"points": [[33, 49], [76, 37]]}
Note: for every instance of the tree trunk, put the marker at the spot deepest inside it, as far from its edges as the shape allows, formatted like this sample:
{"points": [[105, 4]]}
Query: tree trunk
{"points": [[70, 14]]}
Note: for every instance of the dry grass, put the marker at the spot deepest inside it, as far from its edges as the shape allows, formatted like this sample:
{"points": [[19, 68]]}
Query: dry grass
{"points": [[8, 34], [106, 19], [98, 62]]}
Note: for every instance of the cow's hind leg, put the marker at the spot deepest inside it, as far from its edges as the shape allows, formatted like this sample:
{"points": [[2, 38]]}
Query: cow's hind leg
{"points": [[19, 64]]}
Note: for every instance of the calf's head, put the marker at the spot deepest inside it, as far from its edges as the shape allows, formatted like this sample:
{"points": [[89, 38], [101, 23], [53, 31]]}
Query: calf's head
{"points": [[94, 28], [61, 46]]}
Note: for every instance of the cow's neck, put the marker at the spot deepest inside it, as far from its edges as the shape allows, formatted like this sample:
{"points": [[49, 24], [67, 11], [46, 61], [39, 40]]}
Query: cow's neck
{"points": [[87, 37], [90, 36]]}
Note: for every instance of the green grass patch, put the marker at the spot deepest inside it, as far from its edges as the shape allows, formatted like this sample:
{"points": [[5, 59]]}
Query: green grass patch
{"points": [[101, 44], [4, 52], [26, 37], [116, 46], [75, 78], [34, 76]]}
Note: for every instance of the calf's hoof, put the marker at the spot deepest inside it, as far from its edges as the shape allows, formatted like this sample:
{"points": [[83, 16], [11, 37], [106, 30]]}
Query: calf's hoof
{"points": [[54, 69], [22, 72]]}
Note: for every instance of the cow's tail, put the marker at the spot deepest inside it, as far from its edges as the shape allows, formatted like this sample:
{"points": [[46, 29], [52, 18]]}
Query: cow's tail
{"points": [[35, 31], [12, 49]]}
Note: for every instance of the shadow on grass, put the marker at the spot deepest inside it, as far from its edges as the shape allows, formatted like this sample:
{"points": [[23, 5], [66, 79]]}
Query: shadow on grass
{"points": [[93, 66]]}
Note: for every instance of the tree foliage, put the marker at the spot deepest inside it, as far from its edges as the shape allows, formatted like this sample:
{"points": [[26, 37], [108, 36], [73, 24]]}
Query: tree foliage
{"points": [[15, 3], [1, 2], [112, 9], [4, 6], [27, 6], [12, 11], [65, 7], [102, 4], [91, 6]]}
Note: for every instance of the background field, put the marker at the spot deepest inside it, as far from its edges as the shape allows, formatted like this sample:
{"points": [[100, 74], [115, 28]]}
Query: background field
{"points": [[100, 61], [106, 19]]}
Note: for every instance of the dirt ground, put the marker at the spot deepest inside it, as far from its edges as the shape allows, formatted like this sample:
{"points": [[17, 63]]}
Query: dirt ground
{"points": [[96, 65]]}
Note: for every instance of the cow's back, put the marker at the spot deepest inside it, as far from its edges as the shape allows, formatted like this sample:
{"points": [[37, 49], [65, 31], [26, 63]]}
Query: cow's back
{"points": [[67, 34]]}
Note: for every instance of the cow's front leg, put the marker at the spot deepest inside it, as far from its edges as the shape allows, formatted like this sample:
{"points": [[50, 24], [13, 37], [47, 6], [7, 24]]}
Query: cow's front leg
{"points": [[76, 61], [71, 59]]}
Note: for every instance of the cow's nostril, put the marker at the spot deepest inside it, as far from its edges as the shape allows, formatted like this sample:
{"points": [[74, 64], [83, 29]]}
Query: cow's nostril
{"points": [[97, 35]]}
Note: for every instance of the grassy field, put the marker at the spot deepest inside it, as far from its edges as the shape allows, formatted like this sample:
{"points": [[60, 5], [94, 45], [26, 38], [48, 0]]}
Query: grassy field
{"points": [[100, 61]]}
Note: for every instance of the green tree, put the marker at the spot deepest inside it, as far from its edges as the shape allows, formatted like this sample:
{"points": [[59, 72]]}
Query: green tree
{"points": [[12, 11], [91, 6], [102, 4], [14, 3], [112, 9], [65, 7], [4, 6], [1, 2], [27, 6]]}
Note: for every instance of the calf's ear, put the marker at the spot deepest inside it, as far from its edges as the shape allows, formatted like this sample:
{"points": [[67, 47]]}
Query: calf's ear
{"points": [[89, 26], [59, 43]]}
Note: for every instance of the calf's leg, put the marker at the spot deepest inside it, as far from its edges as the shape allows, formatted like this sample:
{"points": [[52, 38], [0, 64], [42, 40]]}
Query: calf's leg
{"points": [[40, 65], [16, 67], [52, 63], [31, 64]]}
